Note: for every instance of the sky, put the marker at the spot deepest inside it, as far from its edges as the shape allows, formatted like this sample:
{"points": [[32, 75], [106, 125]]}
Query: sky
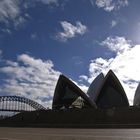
{"points": [[41, 39]]}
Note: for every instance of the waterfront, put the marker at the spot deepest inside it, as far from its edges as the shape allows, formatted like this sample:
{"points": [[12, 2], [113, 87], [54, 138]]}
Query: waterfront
{"points": [[7, 133]]}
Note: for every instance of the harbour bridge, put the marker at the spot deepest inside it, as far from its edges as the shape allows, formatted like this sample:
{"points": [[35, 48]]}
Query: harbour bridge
{"points": [[18, 104]]}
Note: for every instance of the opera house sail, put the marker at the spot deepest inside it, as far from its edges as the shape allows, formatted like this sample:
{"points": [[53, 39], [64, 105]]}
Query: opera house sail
{"points": [[68, 95], [94, 86], [136, 101], [111, 93]]}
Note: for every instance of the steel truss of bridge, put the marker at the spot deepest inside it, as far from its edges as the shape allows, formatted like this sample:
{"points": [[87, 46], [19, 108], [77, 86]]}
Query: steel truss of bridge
{"points": [[18, 104]]}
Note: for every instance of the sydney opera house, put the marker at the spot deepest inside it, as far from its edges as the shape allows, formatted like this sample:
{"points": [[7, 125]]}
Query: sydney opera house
{"points": [[104, 105], [104, 92]]}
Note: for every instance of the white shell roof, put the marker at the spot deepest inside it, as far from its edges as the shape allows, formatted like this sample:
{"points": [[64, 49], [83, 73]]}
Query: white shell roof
{"points": [[137, 96], [95, 86]]}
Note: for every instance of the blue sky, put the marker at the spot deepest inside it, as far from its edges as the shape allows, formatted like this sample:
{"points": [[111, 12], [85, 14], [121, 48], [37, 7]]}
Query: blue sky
{"points": [[40, 39]]}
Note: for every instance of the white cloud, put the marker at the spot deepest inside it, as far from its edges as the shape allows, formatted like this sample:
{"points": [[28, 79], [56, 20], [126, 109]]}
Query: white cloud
{"points": [[117, 44], [105, 4], [110, 5], [34, 36], [83, 78], [48, 2], [70, 30], [92, 2], [113, 23], [30, 77], [6, 30], [12, 9], [9, 9], [13, 13], [125, 64], [19, 21]]}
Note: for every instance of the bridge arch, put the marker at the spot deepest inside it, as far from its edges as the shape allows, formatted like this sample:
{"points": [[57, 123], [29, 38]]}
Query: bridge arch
{"points": [[17, 103]]}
